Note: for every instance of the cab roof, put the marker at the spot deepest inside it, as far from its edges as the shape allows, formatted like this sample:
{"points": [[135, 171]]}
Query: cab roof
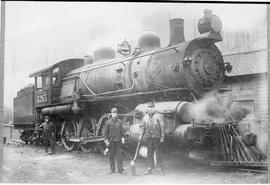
{"points": [[77, 62]]}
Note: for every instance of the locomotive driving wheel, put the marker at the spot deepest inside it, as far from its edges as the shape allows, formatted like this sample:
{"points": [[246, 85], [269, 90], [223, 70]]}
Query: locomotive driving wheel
{"points": [[68, 131], [101, 124], [87, 131]]}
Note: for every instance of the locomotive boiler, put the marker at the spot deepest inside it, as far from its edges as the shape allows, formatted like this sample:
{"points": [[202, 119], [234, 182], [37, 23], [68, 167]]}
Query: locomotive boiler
{"points": [[79, 93]]}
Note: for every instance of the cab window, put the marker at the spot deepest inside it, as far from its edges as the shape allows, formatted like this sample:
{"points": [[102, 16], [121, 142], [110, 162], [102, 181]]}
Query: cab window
{"points": [[38, 82], [55, 76], [46, 80], [68, 88]]}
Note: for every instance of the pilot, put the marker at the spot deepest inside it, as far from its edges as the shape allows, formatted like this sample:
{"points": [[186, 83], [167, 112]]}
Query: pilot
{"points": [[48, 135], [114, 138], [154, 132]]}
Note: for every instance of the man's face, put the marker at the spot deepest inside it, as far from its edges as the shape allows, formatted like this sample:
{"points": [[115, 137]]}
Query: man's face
{"points": [[151, 110], [114, 114], [46, 120]]}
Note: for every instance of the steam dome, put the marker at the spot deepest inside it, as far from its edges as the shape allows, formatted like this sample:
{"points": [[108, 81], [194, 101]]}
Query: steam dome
{"points": [[104, 52], [148, 41]]}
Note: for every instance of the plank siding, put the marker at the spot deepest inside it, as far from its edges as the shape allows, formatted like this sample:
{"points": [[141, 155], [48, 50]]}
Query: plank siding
{"points": [[252, 91]]}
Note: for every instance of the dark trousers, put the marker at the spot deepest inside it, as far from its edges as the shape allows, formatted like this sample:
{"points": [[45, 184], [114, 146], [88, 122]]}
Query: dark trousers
{"points": [[153, 144], [116, 153], [49, 142]]}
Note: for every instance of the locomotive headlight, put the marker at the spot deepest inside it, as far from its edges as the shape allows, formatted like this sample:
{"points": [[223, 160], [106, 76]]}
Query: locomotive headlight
{"points": [[216, 23], [209, 23]]}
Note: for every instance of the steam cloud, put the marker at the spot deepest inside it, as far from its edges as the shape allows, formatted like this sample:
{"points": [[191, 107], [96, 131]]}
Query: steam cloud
{"points": [[211, 109]]}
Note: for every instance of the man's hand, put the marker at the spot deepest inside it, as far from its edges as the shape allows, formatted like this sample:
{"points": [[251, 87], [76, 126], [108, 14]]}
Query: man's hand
{"points": [[106, 142], [162, 140], [140, 138]]}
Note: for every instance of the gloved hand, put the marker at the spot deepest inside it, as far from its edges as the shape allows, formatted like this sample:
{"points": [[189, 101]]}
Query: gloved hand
{"points": [[123, 140], [162, 140], [106, 151], [140, 138], [106, 142]]}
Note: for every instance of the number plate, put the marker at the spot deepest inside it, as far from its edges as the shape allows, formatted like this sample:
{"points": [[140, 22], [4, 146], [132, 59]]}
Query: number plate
{"points": [[42, 98]]}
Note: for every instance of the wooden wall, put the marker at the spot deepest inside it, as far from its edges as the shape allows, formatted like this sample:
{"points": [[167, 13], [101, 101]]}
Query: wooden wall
{"points": [[252, 92]]}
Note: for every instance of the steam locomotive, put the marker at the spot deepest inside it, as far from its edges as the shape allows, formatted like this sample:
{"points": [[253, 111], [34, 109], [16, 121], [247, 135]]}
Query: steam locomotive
{"points": [[79, 93]]}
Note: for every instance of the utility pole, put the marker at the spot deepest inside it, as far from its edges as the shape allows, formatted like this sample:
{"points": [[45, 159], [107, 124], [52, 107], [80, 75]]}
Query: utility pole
{"points": [[65, 49], [2, 58], [13, 53], [94, 33], [268, 59], [55, 57], [46, 55], [91, 30], [169, 11]]}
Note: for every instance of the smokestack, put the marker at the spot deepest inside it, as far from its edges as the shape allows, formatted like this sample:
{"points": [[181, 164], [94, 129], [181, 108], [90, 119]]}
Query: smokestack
{"points": [[176, 31]]}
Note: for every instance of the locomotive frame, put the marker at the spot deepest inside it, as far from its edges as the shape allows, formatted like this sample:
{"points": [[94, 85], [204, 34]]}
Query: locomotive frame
{"points": [[78, 94]]}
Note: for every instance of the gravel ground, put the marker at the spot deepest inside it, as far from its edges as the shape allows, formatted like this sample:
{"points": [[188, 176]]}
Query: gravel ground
{"points": [[29, 164]]}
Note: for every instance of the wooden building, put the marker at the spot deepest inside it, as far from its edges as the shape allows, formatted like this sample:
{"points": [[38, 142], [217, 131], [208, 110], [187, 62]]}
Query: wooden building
{"points": [[248, 84]]}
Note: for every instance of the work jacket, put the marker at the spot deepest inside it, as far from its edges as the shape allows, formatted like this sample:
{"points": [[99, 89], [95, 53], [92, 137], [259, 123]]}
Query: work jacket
{"points": [[114, 130], [48, 129], [153, 126]]}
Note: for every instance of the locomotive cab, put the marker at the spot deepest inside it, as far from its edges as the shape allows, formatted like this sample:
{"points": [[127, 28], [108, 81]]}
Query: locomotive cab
{"points": [[48, 81]]}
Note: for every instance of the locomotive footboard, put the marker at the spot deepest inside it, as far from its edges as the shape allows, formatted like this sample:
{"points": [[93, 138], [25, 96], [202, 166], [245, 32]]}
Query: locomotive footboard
{"points": [[87, 140]]}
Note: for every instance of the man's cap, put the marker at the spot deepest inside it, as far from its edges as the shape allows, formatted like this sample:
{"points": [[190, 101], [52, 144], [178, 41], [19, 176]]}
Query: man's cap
{"points": [[114, 109], [138, 113], [151, 104], [47, 117]]}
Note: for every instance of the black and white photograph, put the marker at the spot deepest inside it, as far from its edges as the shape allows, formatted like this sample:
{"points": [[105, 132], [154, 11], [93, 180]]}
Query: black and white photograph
{"points": [[134, 92]]}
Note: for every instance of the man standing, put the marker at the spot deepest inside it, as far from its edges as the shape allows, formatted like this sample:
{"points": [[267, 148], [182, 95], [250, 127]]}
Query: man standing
{"points": [[48, 135], [154, 132], [114, 138]]}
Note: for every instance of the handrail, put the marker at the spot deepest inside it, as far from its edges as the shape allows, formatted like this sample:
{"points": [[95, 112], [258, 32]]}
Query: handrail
{"points": [[109, 63], [88, 88], [135, 94], [110, 92]]}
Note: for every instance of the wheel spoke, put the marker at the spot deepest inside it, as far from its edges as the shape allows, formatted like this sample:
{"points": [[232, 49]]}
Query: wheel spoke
{"points": [[87, 131], [68, 132], [103, 119]]}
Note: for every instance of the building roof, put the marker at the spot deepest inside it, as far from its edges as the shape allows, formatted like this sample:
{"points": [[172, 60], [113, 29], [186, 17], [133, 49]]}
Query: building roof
{"points": [[250, 62]]}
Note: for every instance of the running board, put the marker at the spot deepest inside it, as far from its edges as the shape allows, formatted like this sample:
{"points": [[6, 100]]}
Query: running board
{"points": [[84, 141]]}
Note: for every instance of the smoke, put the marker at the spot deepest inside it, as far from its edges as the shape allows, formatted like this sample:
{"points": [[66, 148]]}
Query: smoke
{"points": [[212, 109], [114, 34], [125, 25], [208, 108]]}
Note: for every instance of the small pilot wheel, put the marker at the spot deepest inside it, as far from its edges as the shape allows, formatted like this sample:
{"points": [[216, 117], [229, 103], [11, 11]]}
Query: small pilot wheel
{"points": [[87, 132], [68, 131]]}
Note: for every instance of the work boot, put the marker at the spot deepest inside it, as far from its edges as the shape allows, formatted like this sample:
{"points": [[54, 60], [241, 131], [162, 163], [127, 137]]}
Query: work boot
{"points": [[53, 151], [123, 171], [111, 172], [162, 172], [149, 171]]}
